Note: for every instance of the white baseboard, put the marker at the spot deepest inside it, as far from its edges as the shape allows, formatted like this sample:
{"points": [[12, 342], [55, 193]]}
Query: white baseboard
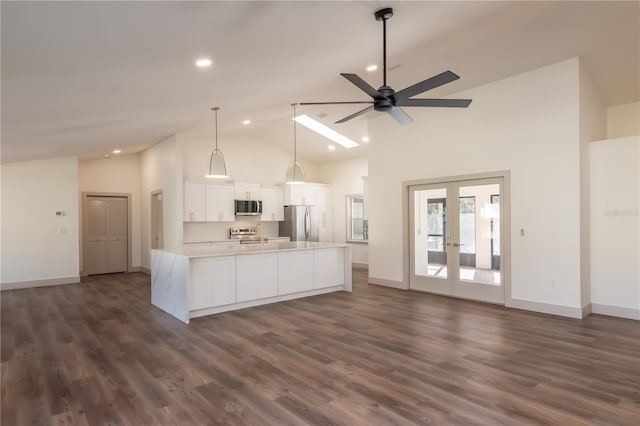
{"points": [[547, 308], [16, 285], [615, 311], [388, 283], [145, 270], [360, 265]]}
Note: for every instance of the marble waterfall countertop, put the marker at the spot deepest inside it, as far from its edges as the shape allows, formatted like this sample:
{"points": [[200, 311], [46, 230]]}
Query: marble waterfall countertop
{"points": [[235, 249]]}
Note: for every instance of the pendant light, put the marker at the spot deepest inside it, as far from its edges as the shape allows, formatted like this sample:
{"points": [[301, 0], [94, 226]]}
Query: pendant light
{"points": [[217, 165], [295, 171]]}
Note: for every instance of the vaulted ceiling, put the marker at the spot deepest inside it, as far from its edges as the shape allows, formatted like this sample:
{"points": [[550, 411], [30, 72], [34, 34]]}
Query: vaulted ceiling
{"points": [[83, 78]]}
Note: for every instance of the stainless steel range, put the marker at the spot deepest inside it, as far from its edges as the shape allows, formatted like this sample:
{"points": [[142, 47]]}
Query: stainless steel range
{"points": [[245, 235]]}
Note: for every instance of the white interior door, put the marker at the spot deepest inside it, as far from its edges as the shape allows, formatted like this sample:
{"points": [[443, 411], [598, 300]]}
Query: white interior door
{"points": [[456, 239], [106, 235]]}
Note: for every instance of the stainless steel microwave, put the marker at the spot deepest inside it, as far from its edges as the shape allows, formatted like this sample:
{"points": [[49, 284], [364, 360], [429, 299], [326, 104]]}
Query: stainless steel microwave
{"points": [[248, 208]]}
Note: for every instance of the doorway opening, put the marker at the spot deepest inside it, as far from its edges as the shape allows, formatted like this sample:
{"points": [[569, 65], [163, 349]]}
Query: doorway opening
{"points": [[157, 234]]}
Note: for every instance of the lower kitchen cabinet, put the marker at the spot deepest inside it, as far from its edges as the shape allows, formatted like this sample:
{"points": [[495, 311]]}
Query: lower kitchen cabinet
{"points": [[295, 271], [256, 276], [328, 267], [212, 282]]}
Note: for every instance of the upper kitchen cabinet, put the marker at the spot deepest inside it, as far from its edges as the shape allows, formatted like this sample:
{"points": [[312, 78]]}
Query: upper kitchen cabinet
{"points": [[300, 195], [247, 191], [194, 202], [272, 204], [220, 203]]}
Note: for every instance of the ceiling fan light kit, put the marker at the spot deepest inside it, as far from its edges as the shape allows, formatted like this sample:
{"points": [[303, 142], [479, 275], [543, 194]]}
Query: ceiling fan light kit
{"points": [[385, 99], [217, 164], [295, 172]]}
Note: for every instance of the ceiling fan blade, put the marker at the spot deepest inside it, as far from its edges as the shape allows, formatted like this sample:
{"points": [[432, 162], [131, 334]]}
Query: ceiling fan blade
{"points": [[400, 116], [335, 103], [362, 111], [443, 103], [364, 86], [428, 84]]}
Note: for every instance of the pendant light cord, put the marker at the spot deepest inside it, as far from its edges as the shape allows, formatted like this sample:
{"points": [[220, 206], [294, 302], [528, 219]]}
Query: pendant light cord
{"points": [[215, 109], [295, 144]]}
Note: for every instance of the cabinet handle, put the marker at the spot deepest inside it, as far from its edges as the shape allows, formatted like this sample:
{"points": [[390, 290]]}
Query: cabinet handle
{"points": [[273, 216], [220, 216]]}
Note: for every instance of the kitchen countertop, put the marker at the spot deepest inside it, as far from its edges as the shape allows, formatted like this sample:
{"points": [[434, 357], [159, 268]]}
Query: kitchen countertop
{"points": [[229, 240], [235, 249]]}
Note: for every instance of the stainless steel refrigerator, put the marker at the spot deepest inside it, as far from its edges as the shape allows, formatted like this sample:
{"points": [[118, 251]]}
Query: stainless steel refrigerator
{"points": [[300, 223]]}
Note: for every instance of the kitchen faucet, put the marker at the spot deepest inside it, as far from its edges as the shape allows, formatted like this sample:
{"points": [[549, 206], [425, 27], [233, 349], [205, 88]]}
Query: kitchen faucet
{"points": [[259, 230]]}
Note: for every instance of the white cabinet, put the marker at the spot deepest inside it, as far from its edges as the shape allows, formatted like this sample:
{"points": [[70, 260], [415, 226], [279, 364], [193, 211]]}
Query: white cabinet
{"points": [[194, 202], [212, 282], [324, 201], [272, 204], [328, 267], [295, 271], [247, 191], [300, 195], [220, 206], [256, 276]]}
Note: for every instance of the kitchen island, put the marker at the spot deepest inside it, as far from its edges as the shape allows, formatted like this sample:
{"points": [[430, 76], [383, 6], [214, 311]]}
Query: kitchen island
{"points": [[191, 282]]}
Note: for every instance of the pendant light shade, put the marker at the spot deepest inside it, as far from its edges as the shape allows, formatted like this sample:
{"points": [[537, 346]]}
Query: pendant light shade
{"points": [[217, 164], [295, 171]]}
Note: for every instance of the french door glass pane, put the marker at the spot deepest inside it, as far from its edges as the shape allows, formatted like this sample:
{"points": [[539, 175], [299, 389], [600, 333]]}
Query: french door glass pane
{"points": [[479, 233], [431, 233]]}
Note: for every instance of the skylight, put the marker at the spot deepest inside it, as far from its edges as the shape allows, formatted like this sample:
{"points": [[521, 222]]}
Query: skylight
{"points": [[325, 131]]}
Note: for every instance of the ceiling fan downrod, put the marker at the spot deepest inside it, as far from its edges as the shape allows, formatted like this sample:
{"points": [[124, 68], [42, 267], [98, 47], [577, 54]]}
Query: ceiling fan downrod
{"points": [[383, 15]]}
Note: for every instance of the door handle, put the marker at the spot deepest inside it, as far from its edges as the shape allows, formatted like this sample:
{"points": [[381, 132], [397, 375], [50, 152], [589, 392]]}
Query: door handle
{"points": [[457, 244]]}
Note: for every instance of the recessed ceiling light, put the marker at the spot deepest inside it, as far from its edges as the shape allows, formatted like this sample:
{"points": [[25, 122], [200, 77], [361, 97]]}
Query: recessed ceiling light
{"points": [[372, 68], [106, 156], [365, 139], [117, 151], [325, 131], [203, 62], [245, 122], [332, 147]]}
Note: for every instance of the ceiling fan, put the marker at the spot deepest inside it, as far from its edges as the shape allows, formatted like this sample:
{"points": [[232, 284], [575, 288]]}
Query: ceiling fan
{"points": [[388, 100]]}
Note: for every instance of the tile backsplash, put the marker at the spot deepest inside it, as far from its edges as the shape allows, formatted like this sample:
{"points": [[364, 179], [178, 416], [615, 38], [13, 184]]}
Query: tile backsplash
{"points": [[213, 231]]}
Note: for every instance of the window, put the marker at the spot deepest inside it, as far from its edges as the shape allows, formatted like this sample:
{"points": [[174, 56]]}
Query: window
{"points": [[357, 224]]}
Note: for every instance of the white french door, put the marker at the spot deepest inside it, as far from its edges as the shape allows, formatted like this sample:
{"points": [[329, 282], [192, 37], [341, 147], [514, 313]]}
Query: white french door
{"points": [[456, 238]]}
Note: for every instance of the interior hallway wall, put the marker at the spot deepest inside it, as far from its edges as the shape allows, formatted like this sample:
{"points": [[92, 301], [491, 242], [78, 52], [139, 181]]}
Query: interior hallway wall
{"points": [[38, 246], [116, 174]]}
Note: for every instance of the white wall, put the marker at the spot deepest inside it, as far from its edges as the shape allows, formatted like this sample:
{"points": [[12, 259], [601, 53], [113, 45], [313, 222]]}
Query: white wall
{"points": [[593, 127], [249, 159], [623, 120], [345, 178], [527, 124], [117, 174], [37, 245], [161, 169], [615, 227]]}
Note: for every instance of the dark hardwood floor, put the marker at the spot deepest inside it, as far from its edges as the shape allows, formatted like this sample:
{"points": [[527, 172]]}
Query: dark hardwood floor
{"points": [[98, 353]]}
